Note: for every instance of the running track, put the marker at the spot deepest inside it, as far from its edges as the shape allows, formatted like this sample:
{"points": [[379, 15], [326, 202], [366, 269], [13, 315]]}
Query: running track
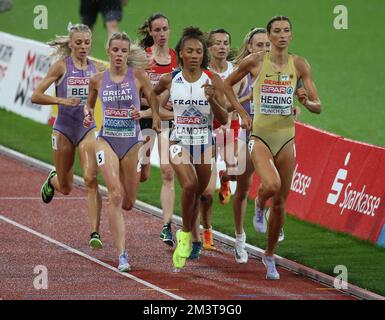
{"points": [[56, 236]]}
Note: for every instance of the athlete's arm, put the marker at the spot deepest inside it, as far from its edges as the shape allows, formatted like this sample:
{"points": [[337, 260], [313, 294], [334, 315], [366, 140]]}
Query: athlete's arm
{"points": [[93, 89], [55, 72], [146, 87], [308, 95], [249, 63], [160, 90], [216, 99]]}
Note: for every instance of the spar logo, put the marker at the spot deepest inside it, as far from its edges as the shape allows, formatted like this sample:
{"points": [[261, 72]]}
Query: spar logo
{"points": [[191, 116], [353, 199]]}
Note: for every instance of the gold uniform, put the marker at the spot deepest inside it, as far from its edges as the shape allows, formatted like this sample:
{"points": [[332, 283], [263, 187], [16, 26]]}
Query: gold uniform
{"points": [[273, 94]]}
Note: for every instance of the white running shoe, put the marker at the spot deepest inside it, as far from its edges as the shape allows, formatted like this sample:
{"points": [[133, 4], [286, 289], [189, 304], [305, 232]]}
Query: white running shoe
{"points": [[272, 273], [281, 236], [240, 252], [124, 266], [259, 219]]}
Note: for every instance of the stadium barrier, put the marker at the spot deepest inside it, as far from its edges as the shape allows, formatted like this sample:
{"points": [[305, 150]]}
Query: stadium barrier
{"points": [[337, 183], [23, 64]]}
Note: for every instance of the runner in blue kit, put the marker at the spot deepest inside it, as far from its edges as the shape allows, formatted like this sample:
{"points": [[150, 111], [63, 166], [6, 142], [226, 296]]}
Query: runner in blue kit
{"points": [[119, 140], [197, 97], [71, 74]]}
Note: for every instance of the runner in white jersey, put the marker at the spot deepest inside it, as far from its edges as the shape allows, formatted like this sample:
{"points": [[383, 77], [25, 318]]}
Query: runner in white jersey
{"points": [[219, 47], [197, 97]]}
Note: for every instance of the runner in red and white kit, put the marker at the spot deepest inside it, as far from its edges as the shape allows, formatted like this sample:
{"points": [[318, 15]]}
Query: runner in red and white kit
{"points": [[155, 32], [219, 47]]}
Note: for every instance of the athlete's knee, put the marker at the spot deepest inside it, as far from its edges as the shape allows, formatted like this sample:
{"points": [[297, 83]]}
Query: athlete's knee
{"points": [[144, 175], [191, 187], [272, 187], [90, 181], [167, 174], [207, 198], [115, 197]]}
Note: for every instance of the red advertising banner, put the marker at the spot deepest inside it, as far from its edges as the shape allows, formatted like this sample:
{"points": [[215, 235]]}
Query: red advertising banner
{"points": [[338, 183]]}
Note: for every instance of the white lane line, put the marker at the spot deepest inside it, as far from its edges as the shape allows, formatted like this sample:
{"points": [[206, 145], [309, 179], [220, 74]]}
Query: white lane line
{"points": [[82, 254]]}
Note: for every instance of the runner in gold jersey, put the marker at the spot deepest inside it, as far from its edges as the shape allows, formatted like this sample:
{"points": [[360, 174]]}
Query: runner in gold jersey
{"points": [[271, 145]]}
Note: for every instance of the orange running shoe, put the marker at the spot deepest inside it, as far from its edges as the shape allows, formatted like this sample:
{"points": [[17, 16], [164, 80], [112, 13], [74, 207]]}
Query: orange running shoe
{"points": [[208, 243], [224, 193]]}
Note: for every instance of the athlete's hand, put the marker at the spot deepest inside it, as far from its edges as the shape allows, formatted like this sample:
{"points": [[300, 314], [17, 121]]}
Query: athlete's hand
{"points": [[209, 90], [69, 102], [156, 125], [246, 121], [88, 117], [296, 113], [168, 106], [135, 113], [302, 96]]}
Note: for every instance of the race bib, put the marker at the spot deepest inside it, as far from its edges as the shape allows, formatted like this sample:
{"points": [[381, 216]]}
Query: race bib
{"points": [[276, 99], [78, 88], [192, 135], [118, 123]]}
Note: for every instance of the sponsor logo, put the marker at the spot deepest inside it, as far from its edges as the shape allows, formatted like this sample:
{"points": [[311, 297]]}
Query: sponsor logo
{"points": [[284, 77], [354, 200], [300, 182], [72, 81], [188, 120], [269, 75], [34, 69], [278, 83], [179, 80], [274, 89], [118, 113]]}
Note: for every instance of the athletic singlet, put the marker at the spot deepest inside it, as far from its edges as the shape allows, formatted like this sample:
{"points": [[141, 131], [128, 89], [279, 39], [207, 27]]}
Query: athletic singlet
{"points": [[273, 103], [117, 101], [73, 84], [247, 105], [193, 117], [223, 76], [156, 70]]}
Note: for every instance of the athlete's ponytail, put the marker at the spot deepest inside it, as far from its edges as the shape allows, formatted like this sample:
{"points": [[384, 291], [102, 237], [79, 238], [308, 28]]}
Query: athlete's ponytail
{"points": [[146, 40], [61, 43], [193, 33]]}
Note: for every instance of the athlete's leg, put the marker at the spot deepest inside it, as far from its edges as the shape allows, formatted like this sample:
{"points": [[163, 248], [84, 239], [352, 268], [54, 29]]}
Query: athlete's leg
{"points": [[64, 157], [167, 192], [206, 200], [270, 181], [87, 158], [188, 181], [130, 176], [285, 164], [109, 165], [244, 181]]}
